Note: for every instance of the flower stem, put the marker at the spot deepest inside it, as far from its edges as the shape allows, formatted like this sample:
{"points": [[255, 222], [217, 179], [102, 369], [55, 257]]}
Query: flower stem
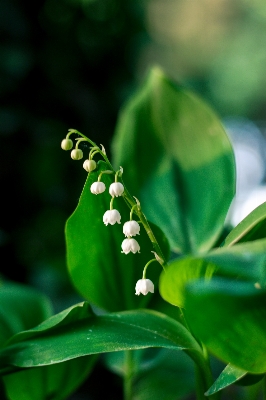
{"points": [[92, 153], [93, 144], [204, 378], [132, 204], [146, 266], [128, 375], [132, 210], [78, 142], [111, 203]]}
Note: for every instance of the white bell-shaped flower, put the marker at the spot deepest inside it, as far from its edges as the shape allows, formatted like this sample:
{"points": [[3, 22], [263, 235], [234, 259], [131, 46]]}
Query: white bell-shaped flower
{"points": [[66, 144], [111, 217], [131, 228], [144, 286], [116, 189], [76, 154], [130, 245], [89, 165], [97, 187]]}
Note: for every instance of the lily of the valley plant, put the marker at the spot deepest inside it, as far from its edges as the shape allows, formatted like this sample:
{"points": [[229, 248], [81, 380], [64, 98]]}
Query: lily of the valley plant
{"points": [[173, 297]]}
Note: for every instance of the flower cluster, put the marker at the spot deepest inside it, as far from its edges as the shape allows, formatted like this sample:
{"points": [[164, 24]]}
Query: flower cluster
{"points": [[112, 216], [130, 228]]}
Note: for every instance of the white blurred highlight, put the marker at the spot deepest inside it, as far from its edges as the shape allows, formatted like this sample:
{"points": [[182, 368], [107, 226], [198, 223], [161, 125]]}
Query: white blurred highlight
{"points": [[250, 153]]}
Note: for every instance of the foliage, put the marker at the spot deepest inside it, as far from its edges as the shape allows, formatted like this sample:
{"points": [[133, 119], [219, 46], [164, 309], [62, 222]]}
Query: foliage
{"points": [[179, 173]]}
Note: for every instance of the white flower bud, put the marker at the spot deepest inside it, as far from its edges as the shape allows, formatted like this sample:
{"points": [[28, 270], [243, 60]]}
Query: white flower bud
{"points": [[66, 144], [76, 154], [116, 189], [131, 228], [144, 286], [111, 217], [130, 245], [97, 187], [89, 165]]}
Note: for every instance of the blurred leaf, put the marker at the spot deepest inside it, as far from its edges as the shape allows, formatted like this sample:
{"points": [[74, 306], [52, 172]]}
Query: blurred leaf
{"points": [[53, 382], [250, 379], [230, 319], [21, 308], [245, 260], [252, 227], [171, 376], [157, 373], [178, 161], [76, 332], [178, 273], [228, 376], [99, 271]]}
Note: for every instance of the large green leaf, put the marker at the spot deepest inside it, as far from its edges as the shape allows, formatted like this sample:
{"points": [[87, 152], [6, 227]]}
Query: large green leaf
{"points": [[253, 227], [229, 317], [99, 271], [76, 332], [178, 161], [22, 308], [245, 260]]}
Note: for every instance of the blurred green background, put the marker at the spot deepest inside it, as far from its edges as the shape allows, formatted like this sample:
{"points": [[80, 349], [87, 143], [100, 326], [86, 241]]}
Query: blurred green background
{"points": [[72, 64]]}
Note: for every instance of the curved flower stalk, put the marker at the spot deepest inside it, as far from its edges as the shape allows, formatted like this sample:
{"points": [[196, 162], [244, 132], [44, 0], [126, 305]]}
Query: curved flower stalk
{"points": [[112, 216]]}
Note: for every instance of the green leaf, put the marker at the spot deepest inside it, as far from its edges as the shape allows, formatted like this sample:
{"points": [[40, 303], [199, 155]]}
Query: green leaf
{"points": [[178, 161], [252, 227], [53, 382], [156, 373], [229, 317], [15, 302], [250, 379], [98, 270], [228, 376], [76, 332], [22, 308], [170, 376], [178, 273], [245, 260]]}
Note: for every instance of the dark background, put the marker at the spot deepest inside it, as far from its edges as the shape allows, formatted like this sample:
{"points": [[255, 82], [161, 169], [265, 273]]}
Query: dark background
{"points": [[72, 64]]}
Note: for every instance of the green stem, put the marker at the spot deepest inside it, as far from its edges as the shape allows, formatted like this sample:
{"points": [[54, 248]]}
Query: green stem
{"points": [[78, 142], [111, 203], [92, 153], [204, 381], [146, 266], [94, 145], [132, 210], [131, 202], [116, 175], [104, 172], [128, 375], [206, 377], [200, 384]]}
